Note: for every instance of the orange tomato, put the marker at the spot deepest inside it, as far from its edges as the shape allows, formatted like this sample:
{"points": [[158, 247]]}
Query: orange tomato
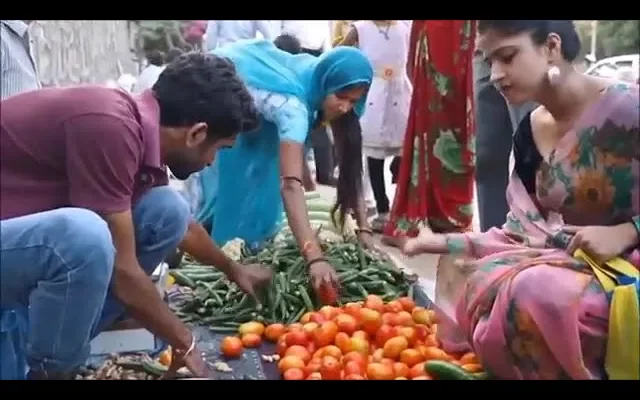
{"points": [[377, 355], [432, 316], [420, 316], [435, 353], [407, 303], [393, 306], [422, 331], [404, 318], [388, 361], [281, 346], [352, 367], [296, 337], [469, 358], [313, 366], [388, 318], [409, 333], [417, 370], [383, 334], [411, 357], [306, 317], [325, 334], [299, 351], [329, 312], [293, 374], [295, 327], [359, 345], [434, 329], [394, 346], [332, 351], [353, 309], [274, 331], [353, 377], [328, 293], [346, 323], [315, 376], [472, 368], [360, 334], [400, 370], [231, 347], [374, 302], [309, 327], [343, 341], [371, 320], [251, 340], [288, 362], [251, 327], [330, 368], [359, 358], [380, 372], [317, 318], [165, 357]]}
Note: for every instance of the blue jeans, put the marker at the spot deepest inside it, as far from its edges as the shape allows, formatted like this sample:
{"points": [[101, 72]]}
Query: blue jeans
{"points": [[58, 265]]}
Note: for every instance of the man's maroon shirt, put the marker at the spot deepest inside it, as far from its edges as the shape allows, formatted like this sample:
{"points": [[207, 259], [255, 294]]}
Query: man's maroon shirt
{"points": [[88, 146]]}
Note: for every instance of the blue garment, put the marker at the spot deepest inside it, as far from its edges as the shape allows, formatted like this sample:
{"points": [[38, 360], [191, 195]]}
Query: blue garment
{"points": [[241, 191], [58, 264]]}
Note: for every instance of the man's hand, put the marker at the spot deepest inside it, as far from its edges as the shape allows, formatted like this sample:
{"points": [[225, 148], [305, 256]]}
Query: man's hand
{"points": [[251, 278], [192, 361], [602, 242]]}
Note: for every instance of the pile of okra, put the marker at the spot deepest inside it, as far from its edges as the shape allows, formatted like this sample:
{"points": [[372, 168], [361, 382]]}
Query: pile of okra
{"points": [[221, 305]]}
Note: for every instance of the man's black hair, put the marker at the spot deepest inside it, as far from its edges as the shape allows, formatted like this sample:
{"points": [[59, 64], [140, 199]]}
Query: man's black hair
{"points": [[173, 53], [155, 57], [539, 30], [288, 43], [199, 87]]}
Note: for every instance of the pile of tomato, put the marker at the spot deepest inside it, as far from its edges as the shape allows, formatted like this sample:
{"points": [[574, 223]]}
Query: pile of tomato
{"points": [[370, 340]]}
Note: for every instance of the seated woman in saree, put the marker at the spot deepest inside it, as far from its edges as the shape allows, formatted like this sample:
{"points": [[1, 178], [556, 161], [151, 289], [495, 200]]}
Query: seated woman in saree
{"points": [[243, 194], [528, 307]]}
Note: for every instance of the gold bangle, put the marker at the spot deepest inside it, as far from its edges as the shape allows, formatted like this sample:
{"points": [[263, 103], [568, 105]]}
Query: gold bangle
{"points": [[192, 346], [364, 230]]}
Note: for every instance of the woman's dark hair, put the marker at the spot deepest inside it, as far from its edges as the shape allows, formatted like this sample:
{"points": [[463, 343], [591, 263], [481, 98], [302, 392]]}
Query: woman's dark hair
{"points": [[347, 136], [539, 30], [155, 57], [172, 54], [288, 43]]}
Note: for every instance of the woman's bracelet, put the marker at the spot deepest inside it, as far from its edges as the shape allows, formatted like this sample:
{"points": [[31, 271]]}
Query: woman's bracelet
{"points": [[316, 260], [363, 230], [635, 221]]}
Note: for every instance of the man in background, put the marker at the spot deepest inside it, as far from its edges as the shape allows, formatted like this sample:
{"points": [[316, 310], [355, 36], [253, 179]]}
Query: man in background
{"points": [[315, 39], [221, 32], [496, 121], [18, 65], [157, 63]]}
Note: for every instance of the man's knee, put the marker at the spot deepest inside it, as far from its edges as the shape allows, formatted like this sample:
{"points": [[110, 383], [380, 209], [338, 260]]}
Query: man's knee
{"points": [[82, 238], [165, 209]]}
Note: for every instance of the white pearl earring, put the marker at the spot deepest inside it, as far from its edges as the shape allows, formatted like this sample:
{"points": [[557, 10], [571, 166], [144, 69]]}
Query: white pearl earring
{"points": [[553, 74]]}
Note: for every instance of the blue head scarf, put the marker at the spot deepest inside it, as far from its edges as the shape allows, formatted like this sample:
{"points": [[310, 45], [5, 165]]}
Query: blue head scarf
{"points": [[263, 66]]}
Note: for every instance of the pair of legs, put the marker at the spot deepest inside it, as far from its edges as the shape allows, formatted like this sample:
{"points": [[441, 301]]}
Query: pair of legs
{"points": [[496, 121], [58, 265], [375, 169]]}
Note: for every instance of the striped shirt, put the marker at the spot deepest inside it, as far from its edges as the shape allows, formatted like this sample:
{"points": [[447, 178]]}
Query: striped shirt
{"points": [[18, 66]]}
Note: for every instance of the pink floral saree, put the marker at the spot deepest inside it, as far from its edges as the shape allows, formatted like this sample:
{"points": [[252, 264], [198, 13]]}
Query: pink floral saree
{"points": [[527, 308]]}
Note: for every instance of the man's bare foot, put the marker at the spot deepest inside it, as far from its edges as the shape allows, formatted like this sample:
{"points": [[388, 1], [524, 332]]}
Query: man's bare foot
{"points": [[393, 241]]}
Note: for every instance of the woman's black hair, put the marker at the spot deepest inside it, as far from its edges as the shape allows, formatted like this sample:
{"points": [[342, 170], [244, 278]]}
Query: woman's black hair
{"points": [[155, 57], [347, 136], [288, 43], [539, 31]]}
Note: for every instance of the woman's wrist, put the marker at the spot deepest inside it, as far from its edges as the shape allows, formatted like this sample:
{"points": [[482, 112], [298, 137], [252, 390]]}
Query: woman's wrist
{"points": [[632, 231]]}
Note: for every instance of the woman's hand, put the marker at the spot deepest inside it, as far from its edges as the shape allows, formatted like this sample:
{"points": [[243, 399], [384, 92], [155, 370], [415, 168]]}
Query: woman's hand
{"points": [[602, 242], [367, 240], [324, 281]]}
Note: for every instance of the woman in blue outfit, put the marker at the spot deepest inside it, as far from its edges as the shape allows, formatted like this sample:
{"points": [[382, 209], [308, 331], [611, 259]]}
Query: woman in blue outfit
{"points": [[262, 173]]}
